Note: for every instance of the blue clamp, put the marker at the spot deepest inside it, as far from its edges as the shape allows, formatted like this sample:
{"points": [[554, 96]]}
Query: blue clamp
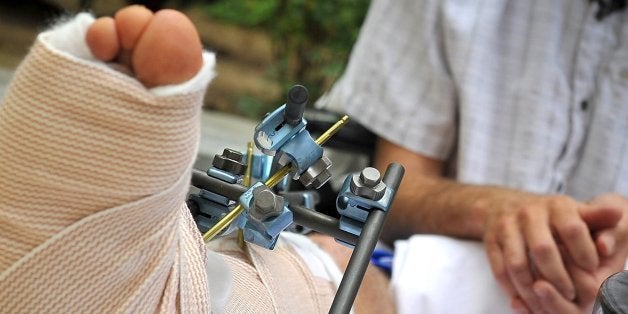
{"points": [[289, 143], [273, 132], [265, 215], [354, 209], [213, 207]]}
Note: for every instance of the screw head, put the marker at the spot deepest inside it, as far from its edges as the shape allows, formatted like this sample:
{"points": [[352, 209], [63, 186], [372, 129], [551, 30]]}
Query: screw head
{"points": [[370, 177], [266, 204], [265, 201], [368, 184]]}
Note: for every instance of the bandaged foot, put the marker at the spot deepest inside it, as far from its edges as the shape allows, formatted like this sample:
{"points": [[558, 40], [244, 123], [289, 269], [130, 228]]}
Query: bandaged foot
{"points": [[95, 169]]}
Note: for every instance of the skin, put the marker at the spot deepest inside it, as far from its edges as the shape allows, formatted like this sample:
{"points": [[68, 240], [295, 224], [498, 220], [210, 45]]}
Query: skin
{"points": [[540, 247], [159, 48]]}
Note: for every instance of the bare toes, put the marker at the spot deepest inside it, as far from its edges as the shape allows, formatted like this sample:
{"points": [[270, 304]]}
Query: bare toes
{"points": [[169, 51], [102, 39], [131, 22]]}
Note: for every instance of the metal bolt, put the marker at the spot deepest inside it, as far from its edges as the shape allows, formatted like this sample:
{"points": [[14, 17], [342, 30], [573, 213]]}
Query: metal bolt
{"points": [[232, 154], [368, 184], [317, 174], [370, 177], [266, 204], [265, 201], [230, 161]]}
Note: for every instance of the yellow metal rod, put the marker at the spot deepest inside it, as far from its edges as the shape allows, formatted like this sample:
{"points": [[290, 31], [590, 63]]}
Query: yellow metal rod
{"points": [[271, 182], [249, 164], [331, 131], [246, 182]]}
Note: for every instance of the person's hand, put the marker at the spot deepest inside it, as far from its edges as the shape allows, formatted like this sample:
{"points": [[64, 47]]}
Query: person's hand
{"points": [[609, 222], [524, 236]]}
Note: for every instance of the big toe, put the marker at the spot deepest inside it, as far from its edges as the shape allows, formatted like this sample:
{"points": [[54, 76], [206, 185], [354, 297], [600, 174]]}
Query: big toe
{"points": [[169, 50]]}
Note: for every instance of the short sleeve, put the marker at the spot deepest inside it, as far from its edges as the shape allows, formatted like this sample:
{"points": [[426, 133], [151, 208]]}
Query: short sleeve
{"points": [[397, 82]]}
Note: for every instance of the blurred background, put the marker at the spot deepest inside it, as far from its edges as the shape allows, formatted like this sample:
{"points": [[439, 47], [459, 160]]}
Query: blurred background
{"points": [[263, 46]]}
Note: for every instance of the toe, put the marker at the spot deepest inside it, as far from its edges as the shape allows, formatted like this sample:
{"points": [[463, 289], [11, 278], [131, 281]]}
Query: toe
{"points": [[102, 39], [169, 51], [131, 22]]}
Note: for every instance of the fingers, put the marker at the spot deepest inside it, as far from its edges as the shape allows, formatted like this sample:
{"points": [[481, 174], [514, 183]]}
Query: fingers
{"points": [[601, 216], [575, 234], [498, 267], [551, 300], [544, 250], [518, 306], [533, 246], [516, 261], [587, 284]]}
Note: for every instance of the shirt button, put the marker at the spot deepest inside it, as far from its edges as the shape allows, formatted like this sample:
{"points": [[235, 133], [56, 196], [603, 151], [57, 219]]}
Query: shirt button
{"points": [[560, 187], [584, 105]]}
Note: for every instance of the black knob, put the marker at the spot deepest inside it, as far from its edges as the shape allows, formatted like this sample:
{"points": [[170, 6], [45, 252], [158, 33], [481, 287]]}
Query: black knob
{"points": [[295, 104]]}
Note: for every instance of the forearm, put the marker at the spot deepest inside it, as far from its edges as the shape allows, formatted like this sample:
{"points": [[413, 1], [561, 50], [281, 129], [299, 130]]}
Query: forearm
{"points": [[429, 203]]}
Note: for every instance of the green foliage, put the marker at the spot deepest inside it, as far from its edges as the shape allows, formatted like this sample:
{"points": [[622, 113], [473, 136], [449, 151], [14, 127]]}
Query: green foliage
{"points": [[312, 39]]}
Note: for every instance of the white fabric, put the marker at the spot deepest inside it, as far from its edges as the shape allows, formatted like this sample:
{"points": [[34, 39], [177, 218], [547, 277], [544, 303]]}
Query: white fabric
{"points": [[525, 94], [438, 274], [317, 260], [68, 35]]}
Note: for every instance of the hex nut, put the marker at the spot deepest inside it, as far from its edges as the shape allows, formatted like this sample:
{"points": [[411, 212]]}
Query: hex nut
{"points": [[368, 184], [232, 154], [230, 161], [266, 204], [317, 174]]}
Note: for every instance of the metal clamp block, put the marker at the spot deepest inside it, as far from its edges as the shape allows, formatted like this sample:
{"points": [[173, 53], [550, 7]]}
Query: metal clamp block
{"points": [[273, 132], [354, 209], [265, 215], [301, 151]]}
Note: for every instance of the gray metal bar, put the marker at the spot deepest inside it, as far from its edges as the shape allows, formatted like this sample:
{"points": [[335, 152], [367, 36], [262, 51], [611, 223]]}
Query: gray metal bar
{"points": [[230, 190], [363, 250], [321, 223]]}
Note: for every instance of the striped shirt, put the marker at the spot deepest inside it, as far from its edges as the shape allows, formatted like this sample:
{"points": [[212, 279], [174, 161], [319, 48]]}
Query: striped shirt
{"points": [[525, 94]]}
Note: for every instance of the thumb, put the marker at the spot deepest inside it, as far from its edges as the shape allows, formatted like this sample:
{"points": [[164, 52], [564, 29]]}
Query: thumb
{"points": [[599, 217]]}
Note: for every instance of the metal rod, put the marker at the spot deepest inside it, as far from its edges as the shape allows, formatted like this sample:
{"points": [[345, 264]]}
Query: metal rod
{"points": [[249, 164], [230, 190], [332, 130], [363, 250], [271, 182], [247, 183], [321, 223]]}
